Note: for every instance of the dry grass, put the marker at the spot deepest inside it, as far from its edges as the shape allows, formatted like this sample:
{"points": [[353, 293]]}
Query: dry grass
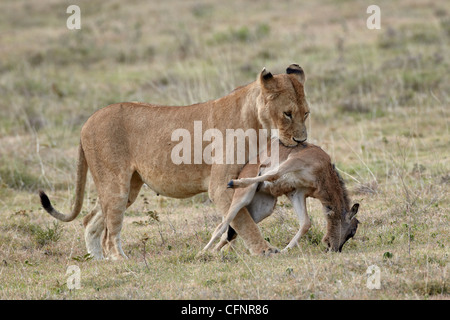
{"points": [[379, 106]]}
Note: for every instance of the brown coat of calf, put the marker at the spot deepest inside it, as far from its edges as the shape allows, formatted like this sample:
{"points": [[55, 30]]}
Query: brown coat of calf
{"points": [[304, 171]]}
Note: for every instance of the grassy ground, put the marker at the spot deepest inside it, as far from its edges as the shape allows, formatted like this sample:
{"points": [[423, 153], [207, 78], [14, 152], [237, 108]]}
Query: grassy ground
{"points": [[379, 105]]}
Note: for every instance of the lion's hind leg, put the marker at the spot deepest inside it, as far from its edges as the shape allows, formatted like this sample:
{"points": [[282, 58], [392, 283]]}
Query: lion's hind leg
{"points": [[121, 197], [117, 189], [114, 209], [94, 224]]}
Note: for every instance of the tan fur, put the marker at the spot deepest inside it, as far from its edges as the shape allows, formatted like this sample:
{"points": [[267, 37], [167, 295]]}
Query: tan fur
{"points": [[127, 144], [304, 171]]}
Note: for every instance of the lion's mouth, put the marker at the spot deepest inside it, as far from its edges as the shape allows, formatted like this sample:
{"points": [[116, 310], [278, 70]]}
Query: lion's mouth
{"points": [[291, 145], [299, 141], [292, 142]]}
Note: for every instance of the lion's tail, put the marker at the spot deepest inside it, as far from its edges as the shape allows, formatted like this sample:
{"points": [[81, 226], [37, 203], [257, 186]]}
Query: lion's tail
{"points": [[82, 169]]}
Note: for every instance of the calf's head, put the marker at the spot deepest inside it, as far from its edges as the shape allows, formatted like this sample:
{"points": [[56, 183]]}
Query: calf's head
{"points": [[340, 227]]}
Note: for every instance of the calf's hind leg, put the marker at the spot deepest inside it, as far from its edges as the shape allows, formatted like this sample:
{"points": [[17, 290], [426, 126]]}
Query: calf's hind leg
{"points": [[227, 238]]}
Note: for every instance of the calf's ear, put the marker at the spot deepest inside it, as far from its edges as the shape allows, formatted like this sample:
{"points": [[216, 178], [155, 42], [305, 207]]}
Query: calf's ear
{"points": [[353, 211]]}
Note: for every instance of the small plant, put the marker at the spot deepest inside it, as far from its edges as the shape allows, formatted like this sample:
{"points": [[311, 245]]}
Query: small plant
{"points": [[144, 240], [387, 255], [153, 215], [83, 258], [47, 235], [314, 236], [289, 271]]}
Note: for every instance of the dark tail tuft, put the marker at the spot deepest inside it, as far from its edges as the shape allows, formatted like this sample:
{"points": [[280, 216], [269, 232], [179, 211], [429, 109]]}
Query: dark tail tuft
{"points": [[45, 201], [230, 184]]}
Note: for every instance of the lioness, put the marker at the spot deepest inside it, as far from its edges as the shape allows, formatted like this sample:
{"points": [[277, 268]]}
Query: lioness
{"points": [[125, 145]]}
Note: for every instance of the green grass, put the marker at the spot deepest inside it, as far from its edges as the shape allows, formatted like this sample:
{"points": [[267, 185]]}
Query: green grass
{"points": [[379, 106]]}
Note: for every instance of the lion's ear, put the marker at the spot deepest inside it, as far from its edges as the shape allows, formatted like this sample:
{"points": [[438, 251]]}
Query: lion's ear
{"points": [[296, 70], [266, 79]]}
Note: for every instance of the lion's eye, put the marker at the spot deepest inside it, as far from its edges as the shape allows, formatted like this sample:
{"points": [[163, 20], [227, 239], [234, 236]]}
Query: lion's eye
{"points": [[306, 114], [288, 114]]}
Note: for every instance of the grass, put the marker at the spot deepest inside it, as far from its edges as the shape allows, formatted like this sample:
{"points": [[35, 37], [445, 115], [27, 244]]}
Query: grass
{"points": [[379, 106]]}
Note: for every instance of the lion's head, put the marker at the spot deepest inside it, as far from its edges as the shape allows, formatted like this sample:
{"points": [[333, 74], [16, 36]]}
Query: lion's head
{"points": [[282, 104]]}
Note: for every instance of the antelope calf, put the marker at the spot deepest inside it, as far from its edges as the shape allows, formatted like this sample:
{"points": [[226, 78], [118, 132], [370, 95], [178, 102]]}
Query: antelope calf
{"points": [[304, 171]]}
